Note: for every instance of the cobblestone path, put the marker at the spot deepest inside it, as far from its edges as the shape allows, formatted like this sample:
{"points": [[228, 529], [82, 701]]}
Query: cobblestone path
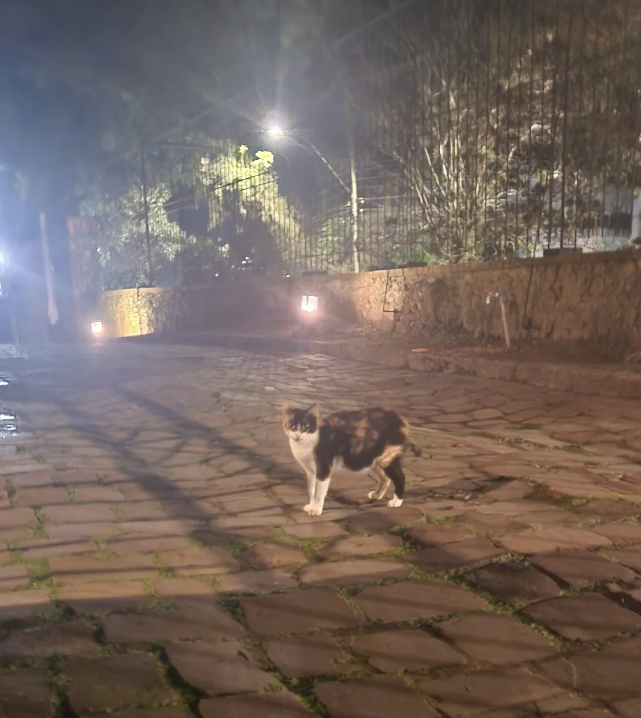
{"points": [[155, 561]]}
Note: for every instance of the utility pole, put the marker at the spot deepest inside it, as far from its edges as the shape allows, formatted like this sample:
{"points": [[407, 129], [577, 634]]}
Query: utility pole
{"points": [[354, 201], [145, 190], [351, 188]]}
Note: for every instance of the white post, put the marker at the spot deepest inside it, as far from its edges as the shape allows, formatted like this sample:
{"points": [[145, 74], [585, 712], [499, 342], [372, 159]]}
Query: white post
{"points": [[48, 271]]}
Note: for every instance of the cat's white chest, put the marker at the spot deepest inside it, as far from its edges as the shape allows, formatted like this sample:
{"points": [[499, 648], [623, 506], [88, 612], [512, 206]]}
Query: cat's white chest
{"points": [[303, 452]]}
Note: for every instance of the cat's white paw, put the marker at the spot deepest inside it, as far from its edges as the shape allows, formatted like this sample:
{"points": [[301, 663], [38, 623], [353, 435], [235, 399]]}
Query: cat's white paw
{"points": [[307, 508], [313, 510], [372, 495], [395, 502]]}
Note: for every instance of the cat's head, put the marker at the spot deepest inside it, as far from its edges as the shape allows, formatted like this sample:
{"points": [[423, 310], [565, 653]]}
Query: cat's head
{"points": [[300, 424]]}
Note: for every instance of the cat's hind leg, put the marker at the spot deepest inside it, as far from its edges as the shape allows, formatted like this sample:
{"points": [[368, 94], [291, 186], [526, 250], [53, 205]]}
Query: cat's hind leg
{"points": [[383, 483], [396, 475]]}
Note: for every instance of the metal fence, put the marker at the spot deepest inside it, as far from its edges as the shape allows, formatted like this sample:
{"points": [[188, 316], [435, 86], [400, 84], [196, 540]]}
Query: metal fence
{"points": [[459, 130]]}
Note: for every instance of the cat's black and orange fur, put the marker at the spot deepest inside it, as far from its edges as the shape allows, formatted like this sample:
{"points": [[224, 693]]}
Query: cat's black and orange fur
{"points": [[367, 440]]}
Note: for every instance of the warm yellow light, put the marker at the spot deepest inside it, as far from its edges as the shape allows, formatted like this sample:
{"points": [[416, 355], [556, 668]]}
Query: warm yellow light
{"points": [[96, 327], [309, 303]]}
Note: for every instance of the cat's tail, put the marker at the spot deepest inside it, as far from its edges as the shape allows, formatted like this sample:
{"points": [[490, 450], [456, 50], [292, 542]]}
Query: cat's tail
{"points": [[416, 450]]}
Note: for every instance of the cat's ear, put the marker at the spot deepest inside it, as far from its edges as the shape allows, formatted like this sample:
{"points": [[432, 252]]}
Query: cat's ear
{"points": [[313, 411], [285, 407]]}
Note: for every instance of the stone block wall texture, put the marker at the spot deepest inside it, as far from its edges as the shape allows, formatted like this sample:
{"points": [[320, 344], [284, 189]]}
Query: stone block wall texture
{"points": [[166, 310], [593, 300]]}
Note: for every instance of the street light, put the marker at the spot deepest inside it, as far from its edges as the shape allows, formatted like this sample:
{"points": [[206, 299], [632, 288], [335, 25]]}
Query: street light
{"points": [[277, 131]]}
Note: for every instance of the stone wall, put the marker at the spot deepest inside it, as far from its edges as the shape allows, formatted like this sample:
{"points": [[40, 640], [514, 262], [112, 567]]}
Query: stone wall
{"points": [[592, 300], [165, 310]]}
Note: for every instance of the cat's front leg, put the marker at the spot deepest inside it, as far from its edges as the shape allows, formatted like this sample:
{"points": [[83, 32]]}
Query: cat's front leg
{"points": [[311, 489], [323, 477], [316, 506]]}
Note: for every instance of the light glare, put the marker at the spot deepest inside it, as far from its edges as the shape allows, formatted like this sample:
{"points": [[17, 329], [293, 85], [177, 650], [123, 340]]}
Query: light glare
{"points": [[275, 131], [309, 303], [96, 327]]}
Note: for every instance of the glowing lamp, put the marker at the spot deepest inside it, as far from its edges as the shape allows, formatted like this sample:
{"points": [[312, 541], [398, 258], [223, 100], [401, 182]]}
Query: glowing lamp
{"points": [[309, 303], [96, 327]]}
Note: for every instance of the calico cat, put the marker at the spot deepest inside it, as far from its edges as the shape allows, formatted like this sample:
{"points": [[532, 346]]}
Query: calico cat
{"points": [[368, 440]]}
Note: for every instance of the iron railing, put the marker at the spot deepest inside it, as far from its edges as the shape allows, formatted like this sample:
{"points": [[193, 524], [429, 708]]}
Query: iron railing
{"points": [[466, 130]]}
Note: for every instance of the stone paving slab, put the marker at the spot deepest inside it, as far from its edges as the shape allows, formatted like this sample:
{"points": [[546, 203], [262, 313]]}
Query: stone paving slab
{"points": [[12, 517], [219, 669], [353, 572], [198, 561], [375, 697], [309, 656], [180, 589], [115, 682], [623, 532], [79, 513], [53, 548], [628, 709], [360, 546], [81, 569], [77, 531], [610, 674], [191, 621], [589, 617], [273, 555], [23, 605], [455, 555], [514, 583], [12, 577], [265, 705], [579, 568], [629, 556], [165, 514], [405, 650], [170, 712], [496, 639], [270, 581], [553, 539], [73, 638], [299, 612], [25, 693], [409, 601], [484, 693], [105, 597]]}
